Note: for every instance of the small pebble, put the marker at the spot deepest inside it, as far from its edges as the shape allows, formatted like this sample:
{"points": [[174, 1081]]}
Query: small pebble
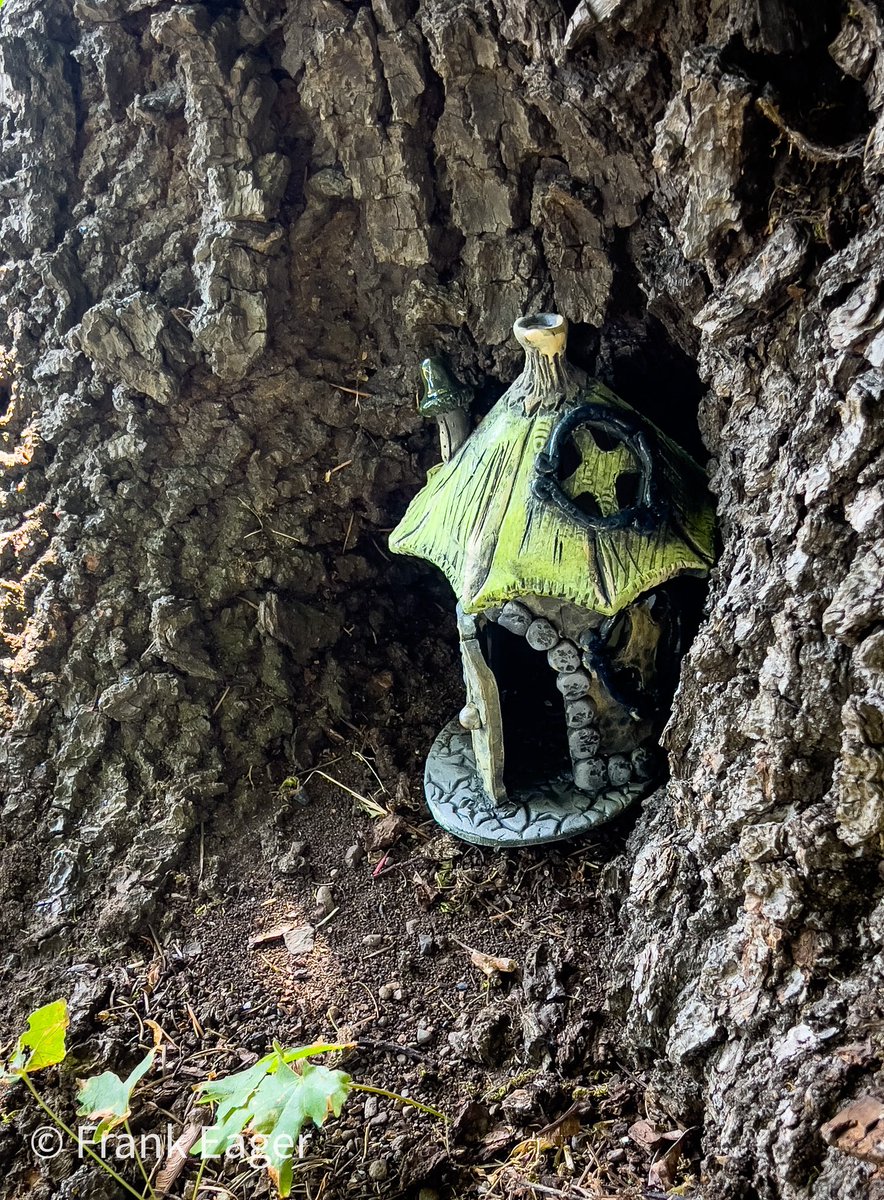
{"points": [[519, 1104], [424, 1035], [565, 657], [619, 769], [461, 986], [643, 762], [291, 862], [470, 717], [541, 635], [590, 775], [373, 940], [412, 926], [583, 743], [426, 944], [325, 899], [579, 714], [353, 856], [370, 1108], [515, 617], [573, 685]]}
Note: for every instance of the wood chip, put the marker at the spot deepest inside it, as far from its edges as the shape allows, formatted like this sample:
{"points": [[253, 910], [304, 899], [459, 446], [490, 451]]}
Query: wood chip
{"points": [[858, 1129], [490, 964], [177, 1159]]}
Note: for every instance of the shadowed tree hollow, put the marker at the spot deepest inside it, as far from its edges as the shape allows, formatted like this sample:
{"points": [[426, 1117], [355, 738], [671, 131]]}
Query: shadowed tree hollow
{"points": [[229, 232]]}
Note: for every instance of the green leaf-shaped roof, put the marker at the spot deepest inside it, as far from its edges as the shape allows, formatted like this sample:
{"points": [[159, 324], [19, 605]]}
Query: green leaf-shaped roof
{"points": [[479, 520]]}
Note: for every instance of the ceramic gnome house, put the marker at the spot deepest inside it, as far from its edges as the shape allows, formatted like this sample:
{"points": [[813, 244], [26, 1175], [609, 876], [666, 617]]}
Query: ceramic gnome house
{"points": [[561, 522]]}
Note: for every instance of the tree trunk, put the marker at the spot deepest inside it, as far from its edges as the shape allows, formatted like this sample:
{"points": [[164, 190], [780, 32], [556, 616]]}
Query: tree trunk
{"points": [[229, 232]]}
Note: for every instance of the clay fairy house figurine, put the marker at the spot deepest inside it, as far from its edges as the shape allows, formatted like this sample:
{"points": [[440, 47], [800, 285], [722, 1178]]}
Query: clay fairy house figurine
{"points": [[565, 523]]}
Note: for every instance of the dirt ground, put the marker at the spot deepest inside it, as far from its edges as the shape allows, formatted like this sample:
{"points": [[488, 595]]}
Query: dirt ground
{"points": [[513, 1052]]}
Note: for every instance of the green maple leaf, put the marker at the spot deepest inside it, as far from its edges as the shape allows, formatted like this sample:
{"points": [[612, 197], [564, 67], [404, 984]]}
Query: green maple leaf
{"points": [[106, 1098], [274, 1101], [43, 1042], [233, 1096], [310, 1094]]}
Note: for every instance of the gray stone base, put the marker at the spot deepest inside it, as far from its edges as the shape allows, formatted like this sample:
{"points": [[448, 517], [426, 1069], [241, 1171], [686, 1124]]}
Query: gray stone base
{"points": [[546, 812]]}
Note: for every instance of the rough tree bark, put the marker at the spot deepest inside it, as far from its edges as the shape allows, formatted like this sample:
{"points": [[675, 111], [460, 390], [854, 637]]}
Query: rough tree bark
{"points": [[214, 213]]}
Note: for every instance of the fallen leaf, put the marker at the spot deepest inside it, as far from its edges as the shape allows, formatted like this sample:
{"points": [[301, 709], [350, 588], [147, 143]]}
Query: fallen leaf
{"points": [[387, 830], [422, 1162], [43, 1042], [663, 1171], [472, 1123], [495, 1141], [106, 1098], [425, 894], [644, 1134], [276, 1097], [159, 1034], [858, 1129], [566, 1126], [532, 1147]]}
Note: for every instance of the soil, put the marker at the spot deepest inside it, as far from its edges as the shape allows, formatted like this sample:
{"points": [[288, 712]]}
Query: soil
{"points": [[229, 232], [500, 1052]]}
